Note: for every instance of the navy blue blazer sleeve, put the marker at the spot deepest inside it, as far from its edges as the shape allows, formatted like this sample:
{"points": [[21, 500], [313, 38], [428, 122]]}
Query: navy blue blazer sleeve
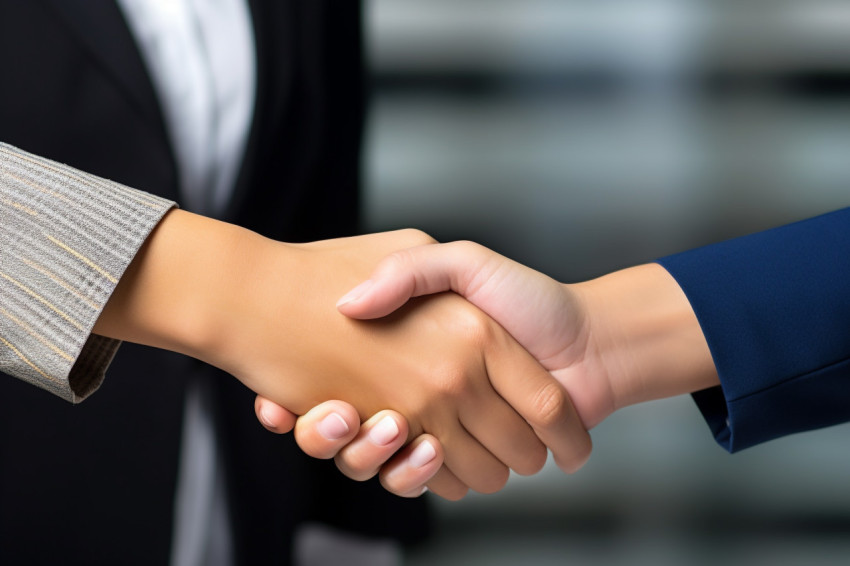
{"points": [[775, 310]]}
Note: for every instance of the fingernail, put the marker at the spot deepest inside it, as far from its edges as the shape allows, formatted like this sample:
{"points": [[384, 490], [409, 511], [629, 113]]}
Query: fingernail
{"points": [[333, 427], [384, 432], [266, 419], [422, 454], [355, 293]]}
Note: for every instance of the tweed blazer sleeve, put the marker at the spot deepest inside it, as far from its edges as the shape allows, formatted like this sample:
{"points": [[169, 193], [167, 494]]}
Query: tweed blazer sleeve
{"points": [[66, 237]]}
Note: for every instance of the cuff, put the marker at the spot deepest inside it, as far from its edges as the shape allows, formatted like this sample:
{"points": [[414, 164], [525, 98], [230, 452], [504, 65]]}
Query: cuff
{"points": [[66, 239]]}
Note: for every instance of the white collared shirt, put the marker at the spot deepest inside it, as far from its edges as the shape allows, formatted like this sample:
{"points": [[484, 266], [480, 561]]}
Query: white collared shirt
{"points": [[202, 61]]}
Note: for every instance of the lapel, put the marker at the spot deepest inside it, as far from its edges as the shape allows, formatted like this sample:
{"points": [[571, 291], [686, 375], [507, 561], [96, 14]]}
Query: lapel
{"points": [[273, 22], [99, 27]]}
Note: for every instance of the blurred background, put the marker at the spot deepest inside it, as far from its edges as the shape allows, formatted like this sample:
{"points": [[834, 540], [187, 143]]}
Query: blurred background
{"points": [[581, 136]]}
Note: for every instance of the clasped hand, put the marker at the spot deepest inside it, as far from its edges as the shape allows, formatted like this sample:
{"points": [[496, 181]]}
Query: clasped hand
{"points": [[265, 312], [480, 395], [440, 361], [451, 371], [624, 338]]}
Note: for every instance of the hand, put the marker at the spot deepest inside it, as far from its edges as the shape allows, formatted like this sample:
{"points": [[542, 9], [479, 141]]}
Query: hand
{"points": [[263, 311], [333, 430], [546, 317], [548, 323], [621, 339]]}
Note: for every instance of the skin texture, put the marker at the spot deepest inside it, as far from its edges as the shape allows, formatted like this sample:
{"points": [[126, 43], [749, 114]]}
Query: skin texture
{"points": [[621, 339], [264, 311]]}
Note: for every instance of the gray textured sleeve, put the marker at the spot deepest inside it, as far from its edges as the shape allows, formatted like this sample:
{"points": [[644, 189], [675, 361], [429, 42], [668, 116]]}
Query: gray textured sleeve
{"points": [[66, 238]]}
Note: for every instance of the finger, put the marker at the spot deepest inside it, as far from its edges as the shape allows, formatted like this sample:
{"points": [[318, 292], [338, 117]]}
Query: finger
{"points": [[447, 485], [379, 438], [407, 473], [471, 462], [541, 401], [325, 429], [272, 416], [413, 272], [504, 433]]}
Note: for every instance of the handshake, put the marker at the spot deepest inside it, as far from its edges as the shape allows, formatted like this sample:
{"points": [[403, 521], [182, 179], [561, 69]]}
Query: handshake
{"points": [[460, 364]]}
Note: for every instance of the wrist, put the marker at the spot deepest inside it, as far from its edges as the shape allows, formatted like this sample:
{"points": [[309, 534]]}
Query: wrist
{"points": [[646, 336], [175, 294]]}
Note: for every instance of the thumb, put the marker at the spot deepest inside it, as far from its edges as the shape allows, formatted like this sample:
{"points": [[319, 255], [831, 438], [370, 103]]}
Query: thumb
{"points": [[421, 270]]}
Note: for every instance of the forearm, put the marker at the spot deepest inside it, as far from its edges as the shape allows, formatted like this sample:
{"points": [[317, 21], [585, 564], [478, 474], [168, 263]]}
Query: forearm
{"points": [[646, 335], [179, 289]]}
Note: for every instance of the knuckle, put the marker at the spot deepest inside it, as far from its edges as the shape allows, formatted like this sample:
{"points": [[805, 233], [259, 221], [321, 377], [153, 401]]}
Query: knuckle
{"points": [[551, 406], [471, 326], [451, 381], [414, 237]]}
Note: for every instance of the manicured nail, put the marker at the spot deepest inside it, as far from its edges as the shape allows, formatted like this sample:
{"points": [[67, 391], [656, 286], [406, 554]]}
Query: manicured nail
{"points": [[384, 432], [422, 454], [355, 293], [333, 427], [265, 417]]}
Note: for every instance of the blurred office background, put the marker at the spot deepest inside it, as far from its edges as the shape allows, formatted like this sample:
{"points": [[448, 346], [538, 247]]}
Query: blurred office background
{"points": [[580, 136]]}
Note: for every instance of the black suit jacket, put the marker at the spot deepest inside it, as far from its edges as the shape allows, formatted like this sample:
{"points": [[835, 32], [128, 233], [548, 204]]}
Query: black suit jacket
{"points": [[94, 484]]}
